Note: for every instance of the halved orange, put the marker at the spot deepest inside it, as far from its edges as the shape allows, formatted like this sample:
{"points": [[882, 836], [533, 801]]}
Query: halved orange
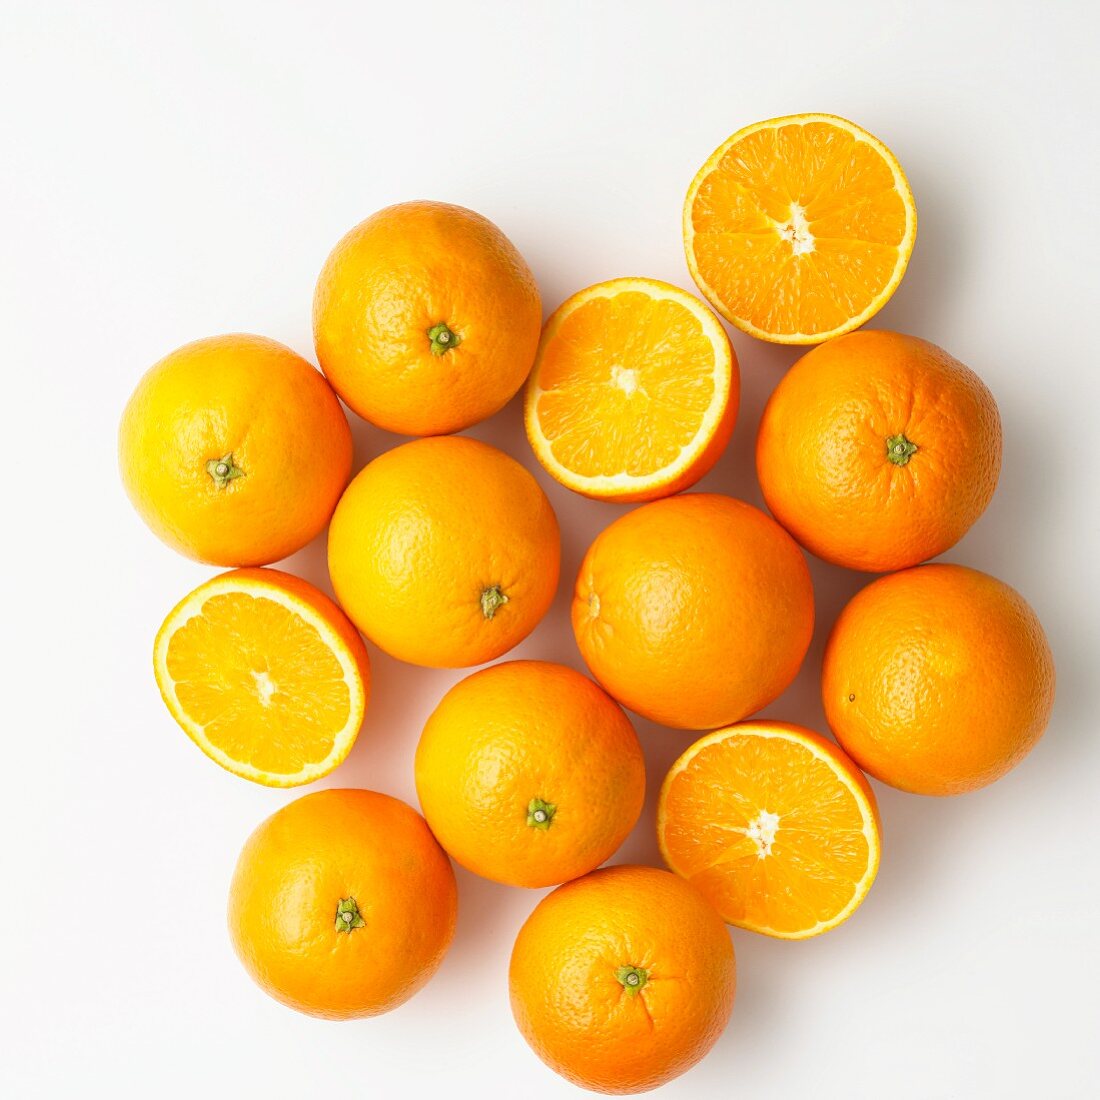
{"points": [[774, 824], [800, 228], [265, 674], [634, 391]]}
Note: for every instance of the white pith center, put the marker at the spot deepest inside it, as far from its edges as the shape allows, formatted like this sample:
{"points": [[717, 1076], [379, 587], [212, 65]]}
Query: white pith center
{"points": [[625, 378], [797, 231], [762, 829], [265, 687]]}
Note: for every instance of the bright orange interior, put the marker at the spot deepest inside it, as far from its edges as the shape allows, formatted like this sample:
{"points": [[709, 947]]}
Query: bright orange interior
{"points": [[785, 875], [797, 229], [626, 382], [261, 681]]}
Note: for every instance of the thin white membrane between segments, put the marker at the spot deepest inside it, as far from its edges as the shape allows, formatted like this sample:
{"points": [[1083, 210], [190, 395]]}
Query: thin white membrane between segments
{"points": [[690, 451]]}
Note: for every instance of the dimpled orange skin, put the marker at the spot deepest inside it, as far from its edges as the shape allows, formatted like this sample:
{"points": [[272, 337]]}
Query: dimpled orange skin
{"points": [[938, 680], [694, 611], [445, 552], [581, 1018], [313, 854], [253, 399], [389, 282], [822, 453], [524, 731]]}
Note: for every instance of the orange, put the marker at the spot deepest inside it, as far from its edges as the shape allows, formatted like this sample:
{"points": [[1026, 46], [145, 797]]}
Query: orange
{"points": [[342, 904], [799, 228], [234, 450], [694, 611], [938, 680], [444, 552], [529, 774], [878, 451], [623, 979], [634, 391], [426, 318], [265, 674], [776, 827]]}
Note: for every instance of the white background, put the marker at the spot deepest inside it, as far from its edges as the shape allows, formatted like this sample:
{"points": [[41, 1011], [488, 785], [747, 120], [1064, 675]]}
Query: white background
{"points": [[174, 171]]}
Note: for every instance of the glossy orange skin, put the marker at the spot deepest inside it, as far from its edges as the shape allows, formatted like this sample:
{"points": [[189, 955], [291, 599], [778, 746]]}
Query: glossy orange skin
{"points": [[278, 417], [578, 1016], [424, 531], [821, 451], [694, 611], [938, 680], [391, 279], [298, 866], [527, 730]]}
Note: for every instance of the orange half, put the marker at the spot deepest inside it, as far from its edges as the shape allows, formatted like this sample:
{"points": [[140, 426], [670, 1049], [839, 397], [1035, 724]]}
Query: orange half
{"points": [[265, 674], [800, 228], [634, 391], [774, 824]]}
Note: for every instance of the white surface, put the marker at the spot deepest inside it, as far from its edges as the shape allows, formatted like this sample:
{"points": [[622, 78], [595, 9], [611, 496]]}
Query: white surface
{"points": [[174, 171]]}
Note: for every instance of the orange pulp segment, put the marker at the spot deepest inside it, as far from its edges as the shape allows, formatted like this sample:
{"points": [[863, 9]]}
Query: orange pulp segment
{"points": [[265, 674], [800, 228], [774, 824], [634, 391]]}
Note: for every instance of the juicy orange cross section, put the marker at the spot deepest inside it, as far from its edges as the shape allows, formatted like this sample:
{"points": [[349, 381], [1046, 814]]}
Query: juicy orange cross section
{"points": [[247, 661], [773, 825], [799, 229], [632, 382], [264, 675]]}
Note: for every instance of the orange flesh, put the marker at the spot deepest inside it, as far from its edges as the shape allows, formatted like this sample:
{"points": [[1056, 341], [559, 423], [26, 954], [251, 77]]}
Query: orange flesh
{"points": [[798, 229], [715, 832], [626, 382], [247, 665]]}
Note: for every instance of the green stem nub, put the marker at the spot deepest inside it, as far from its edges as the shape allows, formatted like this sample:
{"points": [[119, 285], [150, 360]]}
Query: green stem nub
{"points": [[443, 338], [348, 916], [632, 978], [492, 600], [540, 814], [223, 470], [899, 450]]}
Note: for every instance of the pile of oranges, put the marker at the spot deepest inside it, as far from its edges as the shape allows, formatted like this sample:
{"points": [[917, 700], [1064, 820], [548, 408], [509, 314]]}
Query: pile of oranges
{"points": [[876, 452]]}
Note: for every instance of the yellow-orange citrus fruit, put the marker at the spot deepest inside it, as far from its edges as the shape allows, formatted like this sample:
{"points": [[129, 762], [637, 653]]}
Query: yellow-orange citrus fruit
{"points": [[774, 825], [444, 552], [622, 979], [799, 228], [938, 680], [878, 451], [426, 318], [234, 450], [694, 611], [634, 391], [265, 674], [342, 904], [529, 774]]}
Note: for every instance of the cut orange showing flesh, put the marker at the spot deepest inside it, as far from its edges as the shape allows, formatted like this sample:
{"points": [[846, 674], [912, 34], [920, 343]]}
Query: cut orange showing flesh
{"points": [[265, 674], [774, 824], [634, 391], [799, 228]]}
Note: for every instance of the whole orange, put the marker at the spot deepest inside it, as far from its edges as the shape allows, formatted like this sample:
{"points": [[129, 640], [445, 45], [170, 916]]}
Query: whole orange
{"points": [[234, 450], [529, 774], [342, 904], [426, 318], [444, 552], [878, 451], [623, 979], [938, 680], [694, 611]]}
